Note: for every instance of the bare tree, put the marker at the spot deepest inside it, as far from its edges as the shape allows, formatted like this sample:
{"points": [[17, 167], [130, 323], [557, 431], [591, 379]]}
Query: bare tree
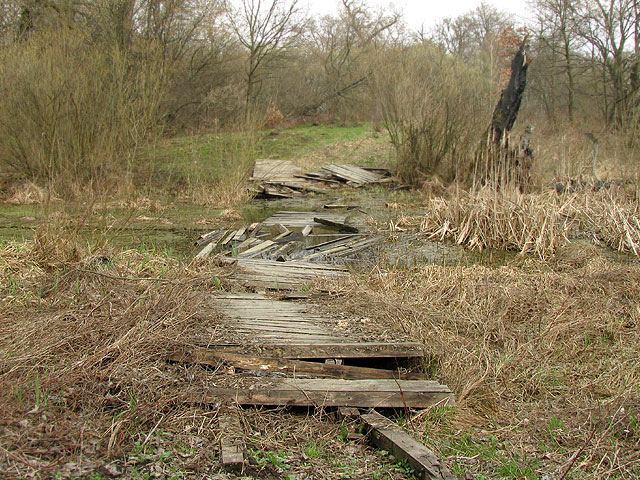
{"points": [[345, 46], [609, 27], [265, 29], [558, 22]]}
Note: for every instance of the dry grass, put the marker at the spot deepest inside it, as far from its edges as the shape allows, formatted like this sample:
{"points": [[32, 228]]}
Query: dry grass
{"points": [[83, 338], [534, 223], [543, 359], [85, 388]]}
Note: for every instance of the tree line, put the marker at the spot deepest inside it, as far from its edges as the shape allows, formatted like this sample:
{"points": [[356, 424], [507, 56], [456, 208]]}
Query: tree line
{"points": [[86, 81]]}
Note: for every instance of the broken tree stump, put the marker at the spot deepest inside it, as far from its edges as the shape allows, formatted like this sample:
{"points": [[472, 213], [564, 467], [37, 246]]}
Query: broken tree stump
{"points": [[499, 163]]}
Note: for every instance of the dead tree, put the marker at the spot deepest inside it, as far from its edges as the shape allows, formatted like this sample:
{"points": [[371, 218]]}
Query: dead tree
{"points": [[501, 163]]}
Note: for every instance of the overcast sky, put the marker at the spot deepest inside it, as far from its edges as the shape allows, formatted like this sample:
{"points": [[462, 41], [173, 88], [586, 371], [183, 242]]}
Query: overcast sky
{"points": [[429, 12]]}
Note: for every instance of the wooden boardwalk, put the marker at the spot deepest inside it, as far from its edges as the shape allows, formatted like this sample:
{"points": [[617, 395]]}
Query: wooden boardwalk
{"points": [[312, 349], [274, 275], [288, 352]]}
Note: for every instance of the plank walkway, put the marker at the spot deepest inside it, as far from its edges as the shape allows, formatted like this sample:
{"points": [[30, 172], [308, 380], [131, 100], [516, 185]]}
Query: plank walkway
{"points": [[288, 275], [302, 219], [291, 353]]}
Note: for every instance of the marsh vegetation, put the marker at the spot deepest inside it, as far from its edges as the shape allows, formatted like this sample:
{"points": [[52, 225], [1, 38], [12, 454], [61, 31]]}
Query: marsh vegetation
{"points": [[129, 128]]}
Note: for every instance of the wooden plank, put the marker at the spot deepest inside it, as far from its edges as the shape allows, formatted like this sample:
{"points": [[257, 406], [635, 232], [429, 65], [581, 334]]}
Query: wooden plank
{"points": [[275, 170], [338, 393], [316, 178], [209, 237], [291, 367], [257, 248], [301, 219], [342, 227], [351, 173], [232, 444], [387, 435], [228, 238], [206, 251], [239, 234], [346, 349], [346, 248], [330, 206], [246, 243], [307, 230]]}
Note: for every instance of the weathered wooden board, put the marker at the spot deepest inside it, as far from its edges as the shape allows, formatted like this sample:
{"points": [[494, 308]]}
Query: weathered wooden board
{"points": [[283, 275], [348, 348], [387, 435], [232, 444], [351, 173], [207, 356], [342, 227], [301, 219], [337, 393], [275, 170]]}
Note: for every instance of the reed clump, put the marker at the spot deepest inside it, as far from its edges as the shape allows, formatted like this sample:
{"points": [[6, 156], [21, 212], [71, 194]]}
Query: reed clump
{"points": [[539, 223]]}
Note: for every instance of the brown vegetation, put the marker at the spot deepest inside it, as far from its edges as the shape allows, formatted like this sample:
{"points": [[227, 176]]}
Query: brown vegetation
{"points": [[543, 357]]}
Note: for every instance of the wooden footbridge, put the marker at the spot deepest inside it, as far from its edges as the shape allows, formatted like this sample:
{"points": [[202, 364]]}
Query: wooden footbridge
{"points": [[292, 353]]}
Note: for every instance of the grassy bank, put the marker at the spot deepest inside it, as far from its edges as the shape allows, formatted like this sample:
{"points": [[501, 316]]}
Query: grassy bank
{"points": [[540, 348]]}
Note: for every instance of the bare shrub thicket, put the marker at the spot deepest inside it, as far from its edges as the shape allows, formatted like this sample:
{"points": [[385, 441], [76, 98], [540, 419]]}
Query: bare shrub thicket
{"points": [[435, 109], [71, 110]]}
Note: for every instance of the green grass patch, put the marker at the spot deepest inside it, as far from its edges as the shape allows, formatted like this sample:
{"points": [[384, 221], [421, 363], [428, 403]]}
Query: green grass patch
{"points": [[211, 156]]}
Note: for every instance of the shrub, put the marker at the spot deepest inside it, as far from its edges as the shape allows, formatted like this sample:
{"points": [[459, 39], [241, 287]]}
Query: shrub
{"points": [[435, 108], [74, 108]]}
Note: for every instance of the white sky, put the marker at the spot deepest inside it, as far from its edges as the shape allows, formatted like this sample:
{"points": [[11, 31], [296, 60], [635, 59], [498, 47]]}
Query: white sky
{"points": [[429, 12]]}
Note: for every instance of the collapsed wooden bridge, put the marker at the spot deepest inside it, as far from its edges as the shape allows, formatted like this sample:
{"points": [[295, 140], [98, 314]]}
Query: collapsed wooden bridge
{"points": [[290, 352]]}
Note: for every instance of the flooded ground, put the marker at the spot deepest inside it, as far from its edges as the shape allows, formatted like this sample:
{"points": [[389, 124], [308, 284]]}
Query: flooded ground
{"points": [[171, 228]]}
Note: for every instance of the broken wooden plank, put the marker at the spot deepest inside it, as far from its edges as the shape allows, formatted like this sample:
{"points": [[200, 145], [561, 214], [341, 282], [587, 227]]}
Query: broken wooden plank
{"points": [[289, 274], [247, 243], [306, 230], [317, 178], [206, 356], [232, 445], [342, 249], [345, 349], [385, 434], [257, 248], [296, 185], [351, 173], [206, 251], [333, 206], [301, 219], [228, 238], [275, 170], [337, 393], [341, 226], [238, 235], [210, 237]]}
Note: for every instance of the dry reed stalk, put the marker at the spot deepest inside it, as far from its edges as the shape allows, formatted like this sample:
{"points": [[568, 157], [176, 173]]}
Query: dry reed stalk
{"points": [[534, 223], [494, 219]]}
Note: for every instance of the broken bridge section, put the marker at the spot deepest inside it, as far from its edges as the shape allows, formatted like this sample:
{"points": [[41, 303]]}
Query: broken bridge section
{"points": [[290, 249], [286, 351], [305, 357], [291, 353]]}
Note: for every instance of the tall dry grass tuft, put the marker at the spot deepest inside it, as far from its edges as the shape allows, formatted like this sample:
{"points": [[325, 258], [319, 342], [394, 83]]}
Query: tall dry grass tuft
{"points": [[535, 223], [84, 338], [74, 107], [522, 347], [435, 112]]}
